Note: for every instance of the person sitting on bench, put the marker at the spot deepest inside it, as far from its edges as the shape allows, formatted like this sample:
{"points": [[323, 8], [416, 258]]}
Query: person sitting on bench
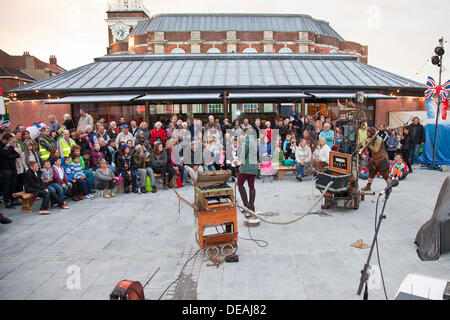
{"points": [[33, 184], [321, 156]]}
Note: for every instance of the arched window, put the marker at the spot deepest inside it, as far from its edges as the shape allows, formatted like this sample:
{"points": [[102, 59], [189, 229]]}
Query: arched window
{"points": [[249, 50], [285, 50], [213, 50], [177, 50]]}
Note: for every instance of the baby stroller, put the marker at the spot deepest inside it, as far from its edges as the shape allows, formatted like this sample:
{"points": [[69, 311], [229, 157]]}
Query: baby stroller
{"points": [[267, 171]]}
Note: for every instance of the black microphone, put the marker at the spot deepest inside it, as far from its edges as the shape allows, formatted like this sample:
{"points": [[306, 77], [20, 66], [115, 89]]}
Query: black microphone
{"points": [[393, 184]]}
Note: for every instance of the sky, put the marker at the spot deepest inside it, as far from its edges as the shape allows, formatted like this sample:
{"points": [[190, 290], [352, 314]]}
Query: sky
{"points": [[401, 34]]}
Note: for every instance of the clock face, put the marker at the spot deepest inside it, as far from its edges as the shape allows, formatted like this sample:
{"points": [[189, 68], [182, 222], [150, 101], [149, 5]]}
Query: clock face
{"points": [[121, 31]]}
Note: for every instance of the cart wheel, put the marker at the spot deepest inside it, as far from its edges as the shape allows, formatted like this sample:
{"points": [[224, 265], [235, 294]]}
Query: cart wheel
{"points": [[227, 249], [212, 252]]}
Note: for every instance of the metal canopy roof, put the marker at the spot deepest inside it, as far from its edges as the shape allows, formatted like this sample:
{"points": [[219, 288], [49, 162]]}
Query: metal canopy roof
{"points": [[94, 99], [267, 95], [349, 95], [181, 97], [208, 72], [234, 21]]}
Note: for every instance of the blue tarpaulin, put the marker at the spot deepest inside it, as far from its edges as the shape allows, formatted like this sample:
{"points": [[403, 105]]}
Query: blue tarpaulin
{"points": [[442, 141]]}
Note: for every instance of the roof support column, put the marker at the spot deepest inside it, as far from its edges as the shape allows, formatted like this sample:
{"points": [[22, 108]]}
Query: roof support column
{"points": [[225, 105]]}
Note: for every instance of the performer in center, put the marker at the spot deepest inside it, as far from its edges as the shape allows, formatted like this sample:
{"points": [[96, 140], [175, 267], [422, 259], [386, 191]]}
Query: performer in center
{"points": [[248, 169], [380, 159]]}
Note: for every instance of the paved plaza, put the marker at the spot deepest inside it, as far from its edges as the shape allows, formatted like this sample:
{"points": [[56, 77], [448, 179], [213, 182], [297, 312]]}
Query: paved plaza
{"points": [[129, 237]]}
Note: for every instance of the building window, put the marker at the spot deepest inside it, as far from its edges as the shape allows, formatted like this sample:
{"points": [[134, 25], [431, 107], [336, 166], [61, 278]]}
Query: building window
{"points": [[213, 50], [177, 50], [249, 50], [214, 108], [285, 50], [250, 107]]}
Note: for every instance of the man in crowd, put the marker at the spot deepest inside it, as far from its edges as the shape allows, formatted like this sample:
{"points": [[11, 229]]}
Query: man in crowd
{"points": [[193, 161], [100, 133], [46, 143], [85, 120], [65, 143], [212, 123], [124, 136], [54, 125], [133, 128], [417, 138], [8, 169], [380, 159]]}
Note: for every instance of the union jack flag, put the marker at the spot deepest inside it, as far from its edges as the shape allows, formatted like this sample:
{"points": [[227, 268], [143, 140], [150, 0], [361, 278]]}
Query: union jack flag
{"points": [[433, 89]]}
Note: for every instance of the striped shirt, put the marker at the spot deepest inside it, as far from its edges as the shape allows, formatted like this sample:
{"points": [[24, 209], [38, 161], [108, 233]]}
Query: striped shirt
{"points": [[77, 170]]}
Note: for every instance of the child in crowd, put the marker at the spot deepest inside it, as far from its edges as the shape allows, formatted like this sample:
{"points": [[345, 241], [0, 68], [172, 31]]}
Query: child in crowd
{"points": [[364, 167], [60, 177], [87, 160], [96, 156], [80, 177], [397, 168], [127, 169], [56, 191], [77, 190]]}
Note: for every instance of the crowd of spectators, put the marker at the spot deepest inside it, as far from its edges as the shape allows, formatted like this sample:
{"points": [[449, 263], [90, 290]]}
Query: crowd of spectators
{"points": [[71, 160]]}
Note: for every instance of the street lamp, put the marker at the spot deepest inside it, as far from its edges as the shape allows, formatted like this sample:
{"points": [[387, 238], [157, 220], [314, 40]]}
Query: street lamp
{"points": [[437, 61]]}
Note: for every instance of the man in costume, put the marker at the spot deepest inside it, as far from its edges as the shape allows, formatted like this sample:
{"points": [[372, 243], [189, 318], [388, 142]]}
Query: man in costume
{"points": [[380, 158]]}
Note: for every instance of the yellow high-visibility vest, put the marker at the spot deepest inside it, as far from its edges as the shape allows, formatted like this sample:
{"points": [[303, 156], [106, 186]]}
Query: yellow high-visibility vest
{"points": [[66, 147], [44, 153]]}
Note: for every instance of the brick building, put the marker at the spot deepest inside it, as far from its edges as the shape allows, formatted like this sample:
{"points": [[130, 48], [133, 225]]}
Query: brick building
{"points": [[231, 65], [132, 30], [16, 71]]}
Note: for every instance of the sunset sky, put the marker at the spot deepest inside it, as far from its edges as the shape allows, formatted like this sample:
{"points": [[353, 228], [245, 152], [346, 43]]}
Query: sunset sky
{"points": [[401, 34]]}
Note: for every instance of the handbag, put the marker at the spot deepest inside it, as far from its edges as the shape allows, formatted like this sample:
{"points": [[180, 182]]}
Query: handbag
{"points": [[288, 162]]}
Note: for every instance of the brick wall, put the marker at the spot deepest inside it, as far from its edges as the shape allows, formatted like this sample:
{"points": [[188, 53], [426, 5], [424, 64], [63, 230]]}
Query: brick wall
{"points": [[26, 112], [399, 104]]}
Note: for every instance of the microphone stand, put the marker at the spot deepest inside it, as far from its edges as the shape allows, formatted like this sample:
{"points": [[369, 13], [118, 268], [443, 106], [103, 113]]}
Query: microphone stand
{"points": [[364, 274]]}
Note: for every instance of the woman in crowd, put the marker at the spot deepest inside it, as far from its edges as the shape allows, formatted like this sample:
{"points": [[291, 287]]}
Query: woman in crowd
{"points": [[173, 161], [208, 158], [158, 134], [303, 157], [68, 122], [362, 134], [307, 138], [21, 166], [392, 143], [144, 128], [30, 152], [112, 131], [81, 139], [105, 179], [406, 146], [248, 169], [158, 160]]}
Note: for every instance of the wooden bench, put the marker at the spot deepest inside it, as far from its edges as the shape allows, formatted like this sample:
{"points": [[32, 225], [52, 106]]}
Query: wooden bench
{"points": [[282, 170], [27, 200]]}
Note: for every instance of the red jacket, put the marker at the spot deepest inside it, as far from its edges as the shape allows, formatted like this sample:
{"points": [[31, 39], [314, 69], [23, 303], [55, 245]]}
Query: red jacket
{"points": [[57, 178], [161, 134]]}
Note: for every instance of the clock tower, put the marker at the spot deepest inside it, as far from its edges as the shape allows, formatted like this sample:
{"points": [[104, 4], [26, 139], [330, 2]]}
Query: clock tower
{"points": [[123, 16]]}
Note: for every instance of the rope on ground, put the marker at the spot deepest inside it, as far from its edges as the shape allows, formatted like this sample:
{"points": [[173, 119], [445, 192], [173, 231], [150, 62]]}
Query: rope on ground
{"points": [[260, 215]]}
